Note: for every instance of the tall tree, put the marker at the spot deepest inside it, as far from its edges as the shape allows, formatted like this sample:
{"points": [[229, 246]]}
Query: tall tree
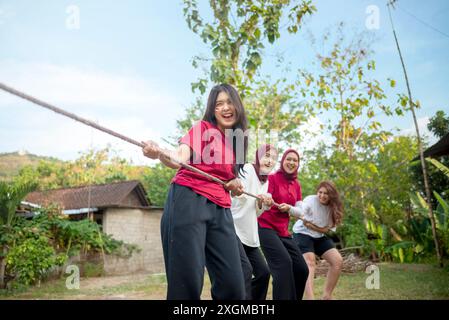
{"points": [[237, 33], [236, 36], [340, 87], [345, 93], [412, 107]]}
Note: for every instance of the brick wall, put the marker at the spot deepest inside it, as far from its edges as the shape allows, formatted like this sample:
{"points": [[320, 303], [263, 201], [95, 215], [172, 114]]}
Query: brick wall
{"points": [[140, 227]]}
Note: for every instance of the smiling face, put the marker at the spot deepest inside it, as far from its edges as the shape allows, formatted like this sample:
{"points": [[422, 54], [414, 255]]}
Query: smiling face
{"points": [[268, 161], [323, 195], [291, 163], [224, 111]]}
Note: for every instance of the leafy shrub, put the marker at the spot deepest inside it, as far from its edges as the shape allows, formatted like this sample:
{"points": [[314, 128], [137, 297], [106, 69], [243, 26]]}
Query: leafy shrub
{"points": [[32, 259], [50, 238]]}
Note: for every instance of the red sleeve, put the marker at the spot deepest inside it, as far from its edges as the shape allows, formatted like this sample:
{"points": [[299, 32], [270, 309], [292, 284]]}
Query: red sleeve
{"points": [[194, 139], [272, 185], [299, 192]]}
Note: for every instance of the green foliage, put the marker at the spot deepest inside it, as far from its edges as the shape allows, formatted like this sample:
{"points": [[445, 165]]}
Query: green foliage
{"points": [[10, 196], [47, 240], [439, 124], [275, 108], [419, 224], [30, 260], [343, 87], [442, 222], [157, 182], [374, 188], [11, 163], [439, 166], [92, 167], [437, 174], [91, 269], [236, 35], [72, 237]]}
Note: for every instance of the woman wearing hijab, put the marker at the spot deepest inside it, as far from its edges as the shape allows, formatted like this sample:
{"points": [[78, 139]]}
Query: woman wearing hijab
{"points": [[287, 265], [245, 210]]}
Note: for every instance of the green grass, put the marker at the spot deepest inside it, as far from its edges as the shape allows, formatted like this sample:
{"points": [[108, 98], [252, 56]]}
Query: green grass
{"points": [[397, 281]]}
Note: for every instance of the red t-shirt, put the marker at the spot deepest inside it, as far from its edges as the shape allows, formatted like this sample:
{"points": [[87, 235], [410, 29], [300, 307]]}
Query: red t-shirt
{"points": [[212, 155], [282, 191]]}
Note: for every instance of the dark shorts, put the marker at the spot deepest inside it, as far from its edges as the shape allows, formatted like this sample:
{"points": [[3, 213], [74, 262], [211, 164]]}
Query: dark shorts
{"points": [[318, 246]]}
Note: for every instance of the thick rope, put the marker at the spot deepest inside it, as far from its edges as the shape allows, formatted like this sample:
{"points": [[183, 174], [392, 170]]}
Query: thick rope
{"points": [[112, 133]]}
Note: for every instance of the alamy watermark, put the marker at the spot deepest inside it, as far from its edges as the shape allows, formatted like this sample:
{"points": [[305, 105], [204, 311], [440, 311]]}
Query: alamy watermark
{"points": [[373, 280], [372, 21], [73, 20], [73, 280], [209, 149]]}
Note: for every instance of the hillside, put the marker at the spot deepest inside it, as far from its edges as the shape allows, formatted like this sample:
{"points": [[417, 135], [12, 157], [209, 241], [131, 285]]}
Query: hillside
{"points": [[11, 163]]}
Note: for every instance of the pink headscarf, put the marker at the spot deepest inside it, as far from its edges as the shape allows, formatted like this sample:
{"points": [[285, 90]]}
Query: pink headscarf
{"points": [[259, 154]]}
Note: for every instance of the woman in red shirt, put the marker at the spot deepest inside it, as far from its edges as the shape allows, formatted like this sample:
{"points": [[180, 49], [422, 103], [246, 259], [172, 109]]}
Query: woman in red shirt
{"points": [[287, 265], [197, 227]]}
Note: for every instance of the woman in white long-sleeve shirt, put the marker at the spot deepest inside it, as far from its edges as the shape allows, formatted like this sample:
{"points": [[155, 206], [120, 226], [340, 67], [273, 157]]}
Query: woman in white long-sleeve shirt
{"points": [[325, 211], [245, 211]]}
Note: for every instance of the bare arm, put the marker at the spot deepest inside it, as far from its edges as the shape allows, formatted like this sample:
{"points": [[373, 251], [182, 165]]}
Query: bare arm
{"points": [[170, 158], [313, 227]]}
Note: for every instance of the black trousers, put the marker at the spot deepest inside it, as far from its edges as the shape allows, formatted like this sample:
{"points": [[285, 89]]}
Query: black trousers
{"points": [[255, 272], [286, 263], [197, 233]]}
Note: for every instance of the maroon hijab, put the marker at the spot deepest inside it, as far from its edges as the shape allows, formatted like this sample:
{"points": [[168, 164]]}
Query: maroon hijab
{"points": [[289, 176], [259, 154]]}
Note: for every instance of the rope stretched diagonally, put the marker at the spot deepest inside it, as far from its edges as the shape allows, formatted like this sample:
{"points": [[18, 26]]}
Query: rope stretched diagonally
{"points": [[110, 132]]}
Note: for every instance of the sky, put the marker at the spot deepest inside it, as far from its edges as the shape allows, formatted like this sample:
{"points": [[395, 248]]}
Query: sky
{"points": [[127, 66]]}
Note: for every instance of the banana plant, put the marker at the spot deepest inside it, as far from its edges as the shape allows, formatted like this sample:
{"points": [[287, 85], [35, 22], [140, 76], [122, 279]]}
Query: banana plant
{"points": [[439, 166]]}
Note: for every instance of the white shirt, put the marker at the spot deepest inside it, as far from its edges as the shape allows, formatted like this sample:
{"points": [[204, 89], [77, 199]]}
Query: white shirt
{"points": [[245, 210], [313, 211]]}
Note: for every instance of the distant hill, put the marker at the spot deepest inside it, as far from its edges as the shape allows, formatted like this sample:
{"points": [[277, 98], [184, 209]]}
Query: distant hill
{"points": [[11, 163]]}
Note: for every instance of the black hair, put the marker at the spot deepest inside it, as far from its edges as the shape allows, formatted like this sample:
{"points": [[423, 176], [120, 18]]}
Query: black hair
{"points": [[240, 116]]}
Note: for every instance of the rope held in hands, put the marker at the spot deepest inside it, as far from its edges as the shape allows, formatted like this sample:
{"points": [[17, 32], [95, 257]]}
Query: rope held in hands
{"points": [[112, 133]]}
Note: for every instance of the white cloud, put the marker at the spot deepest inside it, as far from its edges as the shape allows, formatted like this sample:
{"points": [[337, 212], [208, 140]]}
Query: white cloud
{"points": [[128, 104], [423, 131]]}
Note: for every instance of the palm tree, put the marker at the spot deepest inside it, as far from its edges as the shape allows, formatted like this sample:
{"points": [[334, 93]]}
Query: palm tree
{"points": [[10, 196]]}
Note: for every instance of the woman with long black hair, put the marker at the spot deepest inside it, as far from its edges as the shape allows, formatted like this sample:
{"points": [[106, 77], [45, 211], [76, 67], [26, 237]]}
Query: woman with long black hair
{"points": [[197, 227]]}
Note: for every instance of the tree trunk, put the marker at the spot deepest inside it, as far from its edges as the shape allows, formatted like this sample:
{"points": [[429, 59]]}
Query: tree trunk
{"points": [[3, 268], [421, 153]]}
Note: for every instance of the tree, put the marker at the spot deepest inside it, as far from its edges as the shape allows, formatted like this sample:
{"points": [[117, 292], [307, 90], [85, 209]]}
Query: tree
{"points": [[236, 37], [343, 88], [11, 194], [92, 167], [237, 33], [358, 157], [412, 106], [439, 124], [156, 182]]}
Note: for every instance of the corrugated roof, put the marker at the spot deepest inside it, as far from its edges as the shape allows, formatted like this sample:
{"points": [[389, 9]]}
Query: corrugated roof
{"points": [[104, 195]]}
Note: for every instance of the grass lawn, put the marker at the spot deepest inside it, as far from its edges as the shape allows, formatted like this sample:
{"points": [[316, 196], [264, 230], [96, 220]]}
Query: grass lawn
{"points": [[397, 281]]}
